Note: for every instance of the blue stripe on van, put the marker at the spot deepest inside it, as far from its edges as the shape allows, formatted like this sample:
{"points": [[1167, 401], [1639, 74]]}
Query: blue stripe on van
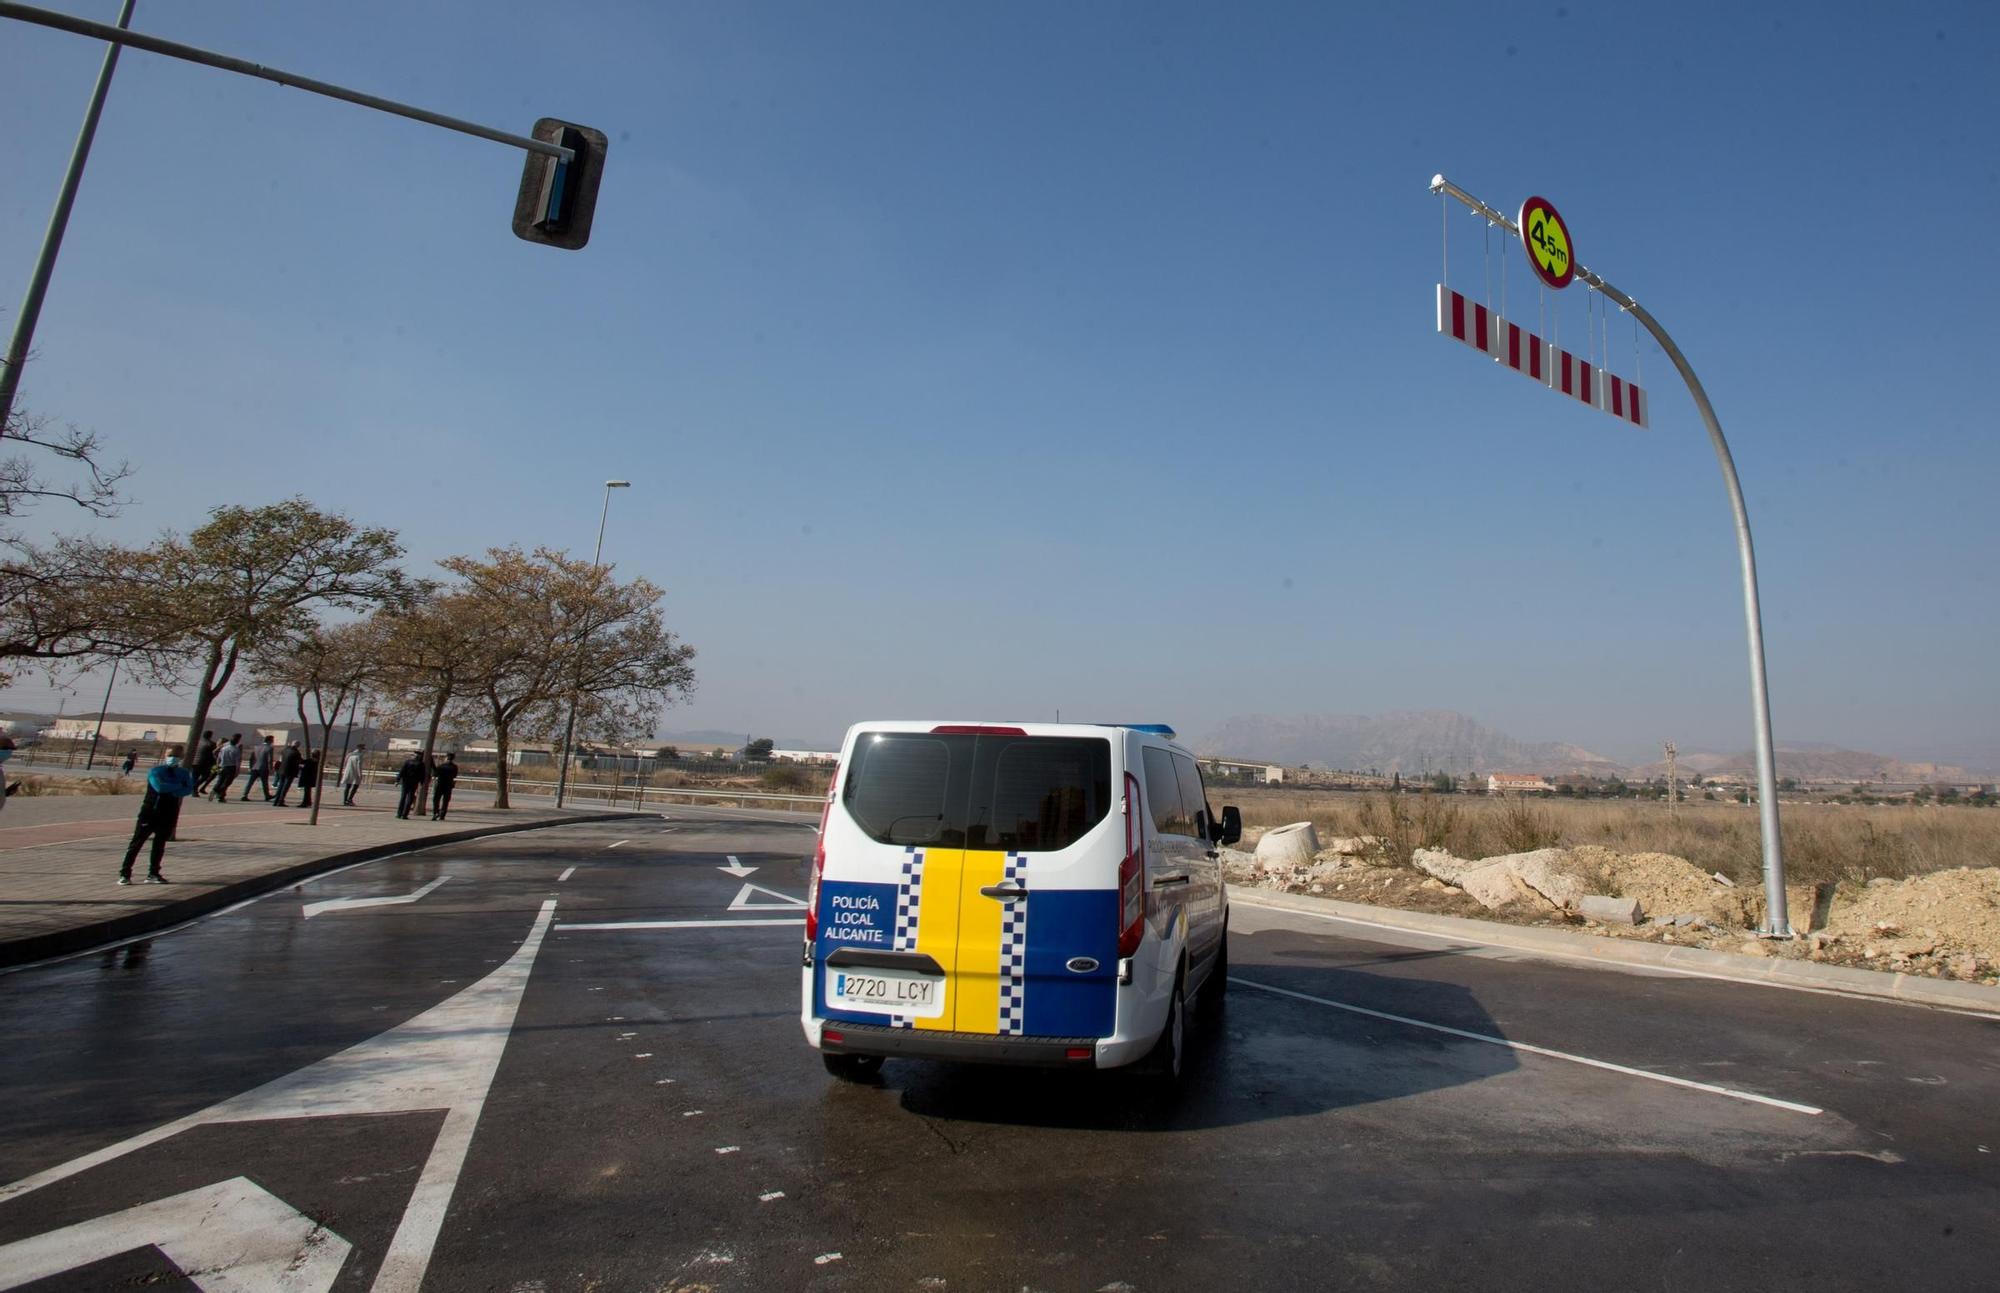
{"points": [[1064, 924]]}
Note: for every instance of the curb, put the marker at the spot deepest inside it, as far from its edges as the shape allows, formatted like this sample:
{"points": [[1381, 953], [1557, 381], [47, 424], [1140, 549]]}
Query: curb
{"points": [[82, 938], [1570, 946]]}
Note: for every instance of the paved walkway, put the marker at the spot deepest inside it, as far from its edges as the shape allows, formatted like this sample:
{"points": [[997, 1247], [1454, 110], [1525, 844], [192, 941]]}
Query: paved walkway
{"points": [[59, 858]]}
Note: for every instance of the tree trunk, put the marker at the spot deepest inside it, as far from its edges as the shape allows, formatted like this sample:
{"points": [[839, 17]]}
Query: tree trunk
{"points": [[202, 696], [500, 770], [430, 746]]}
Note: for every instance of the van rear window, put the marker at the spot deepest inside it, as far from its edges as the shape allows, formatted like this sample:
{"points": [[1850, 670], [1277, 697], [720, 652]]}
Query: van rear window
{"points": [[1024, 794]]}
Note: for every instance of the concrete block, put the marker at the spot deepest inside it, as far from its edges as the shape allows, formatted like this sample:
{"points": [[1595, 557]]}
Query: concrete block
{"points": [[1292, 845], [1615, 911]]}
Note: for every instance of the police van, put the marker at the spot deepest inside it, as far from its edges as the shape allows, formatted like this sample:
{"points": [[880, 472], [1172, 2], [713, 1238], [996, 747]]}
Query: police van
{"points": [[1034, 893]]}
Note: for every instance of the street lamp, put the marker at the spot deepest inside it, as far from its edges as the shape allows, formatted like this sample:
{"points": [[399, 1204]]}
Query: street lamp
{"points": [[596, 560]]}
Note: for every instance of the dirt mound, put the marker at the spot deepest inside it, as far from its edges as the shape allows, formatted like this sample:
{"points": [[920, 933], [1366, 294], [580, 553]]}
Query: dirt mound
{"points": [[1943, 913], [1665, 885]]}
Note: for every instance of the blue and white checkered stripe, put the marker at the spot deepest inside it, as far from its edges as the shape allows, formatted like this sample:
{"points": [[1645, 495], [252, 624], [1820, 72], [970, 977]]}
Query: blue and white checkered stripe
{"points": [[909, 896], [1014, 950]]}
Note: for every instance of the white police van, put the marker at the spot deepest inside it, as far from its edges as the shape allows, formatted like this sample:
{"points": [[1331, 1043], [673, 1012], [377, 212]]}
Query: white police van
{"points": [[1033, 893]]}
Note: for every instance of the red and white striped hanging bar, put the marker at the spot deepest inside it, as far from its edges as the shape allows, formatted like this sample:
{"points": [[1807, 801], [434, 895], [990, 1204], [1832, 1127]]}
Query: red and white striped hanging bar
{"points": [[1512, 345]]}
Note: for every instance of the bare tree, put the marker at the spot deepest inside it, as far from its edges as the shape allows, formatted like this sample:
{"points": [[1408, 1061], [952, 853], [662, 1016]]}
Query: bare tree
{"points": [[255, 573], [28, 440], [71, 602], [541, 625], [325, 666]]}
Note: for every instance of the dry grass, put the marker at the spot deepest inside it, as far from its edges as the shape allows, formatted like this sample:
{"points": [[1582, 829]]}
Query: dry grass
{"points": [[37, 787], [1823, 842]]}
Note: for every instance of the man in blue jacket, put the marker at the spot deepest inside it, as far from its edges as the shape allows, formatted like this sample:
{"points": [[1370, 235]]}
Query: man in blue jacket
{"points": [[166, 786]]}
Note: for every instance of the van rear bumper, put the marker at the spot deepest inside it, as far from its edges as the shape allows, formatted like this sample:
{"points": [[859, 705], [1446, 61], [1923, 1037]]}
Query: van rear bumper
{"points": [[970, 1048]]}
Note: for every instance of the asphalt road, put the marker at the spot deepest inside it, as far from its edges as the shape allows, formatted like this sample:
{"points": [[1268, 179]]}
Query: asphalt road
{"points": [[574, 1063]]}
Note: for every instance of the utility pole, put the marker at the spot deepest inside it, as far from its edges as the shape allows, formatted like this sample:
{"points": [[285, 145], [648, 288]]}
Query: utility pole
{"points": [[1673, 780], [596, 560], [45, 261], [102, 710]]}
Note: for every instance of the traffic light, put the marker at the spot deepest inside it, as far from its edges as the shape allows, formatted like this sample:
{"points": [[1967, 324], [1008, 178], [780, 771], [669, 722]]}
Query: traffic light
{"points": [[558, 198]]}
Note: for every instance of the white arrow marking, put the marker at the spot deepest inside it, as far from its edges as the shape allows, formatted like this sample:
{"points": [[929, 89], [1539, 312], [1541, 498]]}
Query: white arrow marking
{"points": [[355, 904], [736, 868], [444, 1058], [230, 1237], [743, 901]]}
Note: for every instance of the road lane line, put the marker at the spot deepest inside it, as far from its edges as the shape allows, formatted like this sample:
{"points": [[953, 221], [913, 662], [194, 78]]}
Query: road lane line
{"points": [[1531, 1049], [681, 924], [617, 844], [566, 875]]}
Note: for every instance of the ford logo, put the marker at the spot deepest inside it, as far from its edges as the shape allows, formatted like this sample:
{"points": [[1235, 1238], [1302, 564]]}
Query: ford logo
{"points": [[1082, 964]]}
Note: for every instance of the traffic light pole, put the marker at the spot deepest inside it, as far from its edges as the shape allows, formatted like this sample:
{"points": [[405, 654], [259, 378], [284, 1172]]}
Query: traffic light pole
{"points": [[45, 263], [118, 36], [1777, 920]]}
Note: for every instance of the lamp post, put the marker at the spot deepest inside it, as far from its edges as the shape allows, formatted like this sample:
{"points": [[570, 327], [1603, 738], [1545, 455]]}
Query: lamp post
{"points": [[596, 560], [91, 760]]}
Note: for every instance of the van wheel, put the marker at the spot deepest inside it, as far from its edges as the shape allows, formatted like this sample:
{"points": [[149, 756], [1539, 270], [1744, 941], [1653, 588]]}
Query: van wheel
{"points": [[853, 1068], [1171, 1050]]}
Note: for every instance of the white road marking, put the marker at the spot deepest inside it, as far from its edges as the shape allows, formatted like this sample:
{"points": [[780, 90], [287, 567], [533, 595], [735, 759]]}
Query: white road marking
{"points": [[691, 1113], [618, 845], [233, 1234], [1533, 1050], [445, 1058], [643, 1055], [744, 902], [679, 924], [566, 875], [735, 867], [726, 1149], [769, 1195], [663, 1081], [312, 909], [824, 1258]]}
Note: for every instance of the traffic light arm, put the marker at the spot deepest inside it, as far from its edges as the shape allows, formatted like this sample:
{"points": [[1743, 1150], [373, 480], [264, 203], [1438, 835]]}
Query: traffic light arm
{"points": [[244, 67]]}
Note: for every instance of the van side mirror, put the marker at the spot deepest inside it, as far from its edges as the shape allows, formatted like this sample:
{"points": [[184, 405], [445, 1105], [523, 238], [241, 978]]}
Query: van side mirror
{"points": [[1231, 829]]}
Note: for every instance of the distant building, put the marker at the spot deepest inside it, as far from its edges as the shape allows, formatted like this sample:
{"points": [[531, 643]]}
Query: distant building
{"points": [[805, 756], [1517, 783], [1270, 774]]}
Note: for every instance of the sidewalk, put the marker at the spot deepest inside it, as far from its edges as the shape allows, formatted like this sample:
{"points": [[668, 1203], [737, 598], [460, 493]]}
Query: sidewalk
{"points": [[59, 857]]}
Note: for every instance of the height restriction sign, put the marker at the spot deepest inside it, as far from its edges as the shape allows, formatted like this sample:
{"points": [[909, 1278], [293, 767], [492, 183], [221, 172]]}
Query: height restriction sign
{"points": [[1546, 239]]}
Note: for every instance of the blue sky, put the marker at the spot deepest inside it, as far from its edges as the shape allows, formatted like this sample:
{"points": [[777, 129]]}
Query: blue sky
{"points": [[989, 360]]}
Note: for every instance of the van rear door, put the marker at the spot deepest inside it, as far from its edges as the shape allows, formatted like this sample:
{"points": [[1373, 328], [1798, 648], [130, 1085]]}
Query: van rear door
{"points": [[978, 851]]}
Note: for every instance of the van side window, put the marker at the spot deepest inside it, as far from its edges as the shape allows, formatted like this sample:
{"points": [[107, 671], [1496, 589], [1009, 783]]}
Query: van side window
{"points": [[899, 787], [1163, 794], [1192, 798]]}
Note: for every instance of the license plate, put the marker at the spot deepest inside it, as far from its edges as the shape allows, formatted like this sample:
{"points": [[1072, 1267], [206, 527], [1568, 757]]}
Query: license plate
{"points": [[891, 992]]}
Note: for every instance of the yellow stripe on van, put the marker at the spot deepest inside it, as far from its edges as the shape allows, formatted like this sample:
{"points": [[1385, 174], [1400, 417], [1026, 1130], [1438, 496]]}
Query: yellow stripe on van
{"points": [[937, 926], [976, 976]]}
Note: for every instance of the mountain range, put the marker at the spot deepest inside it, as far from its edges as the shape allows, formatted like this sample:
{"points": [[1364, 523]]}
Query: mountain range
{"points": [[1414, 742], [1406, 741]]}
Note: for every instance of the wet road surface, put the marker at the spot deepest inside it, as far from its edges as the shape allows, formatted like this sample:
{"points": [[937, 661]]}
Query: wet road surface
{"points": [[571, 1059]]}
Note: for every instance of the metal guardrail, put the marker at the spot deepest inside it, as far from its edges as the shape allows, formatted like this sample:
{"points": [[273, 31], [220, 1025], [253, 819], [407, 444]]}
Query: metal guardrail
{"points": [[640, 796]]}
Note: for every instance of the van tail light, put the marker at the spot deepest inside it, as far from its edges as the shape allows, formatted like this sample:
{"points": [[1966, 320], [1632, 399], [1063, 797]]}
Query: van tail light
{"points": [[819, 859], [1132, 874]]}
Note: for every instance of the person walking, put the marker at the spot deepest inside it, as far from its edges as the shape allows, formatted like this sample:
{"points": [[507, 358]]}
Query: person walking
{"points": [[308, 778], [125, 768], [443, 778], [289, 767], [350, 776], [228, 760], [411, 778], [203, 766], [166, 785], [260, 770]]}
